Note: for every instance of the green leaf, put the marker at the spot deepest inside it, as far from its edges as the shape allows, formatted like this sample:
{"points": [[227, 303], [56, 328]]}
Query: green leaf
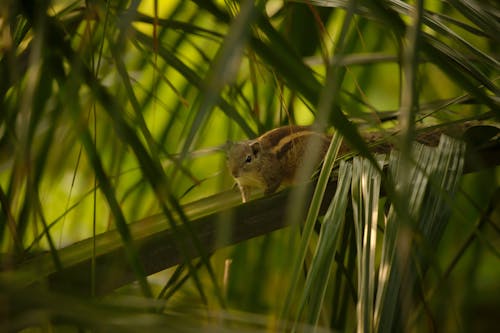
{"points": [[365, 203], [318, 276], [428, 209]]}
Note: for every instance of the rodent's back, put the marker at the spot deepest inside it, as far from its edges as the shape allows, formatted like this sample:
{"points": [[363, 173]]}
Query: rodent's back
{"points": [[271, 139], [290, 145]]}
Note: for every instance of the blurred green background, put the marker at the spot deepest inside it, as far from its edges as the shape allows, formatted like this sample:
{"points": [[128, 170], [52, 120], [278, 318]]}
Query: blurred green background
{"points": [[117, 112]]}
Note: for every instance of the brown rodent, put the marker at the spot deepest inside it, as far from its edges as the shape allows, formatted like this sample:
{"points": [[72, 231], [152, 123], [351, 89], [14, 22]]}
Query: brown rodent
{"points": [[273, 158]]}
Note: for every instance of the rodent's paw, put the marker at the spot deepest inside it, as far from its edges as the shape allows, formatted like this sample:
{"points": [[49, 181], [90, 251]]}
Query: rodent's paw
{"points": [[245, 192]]}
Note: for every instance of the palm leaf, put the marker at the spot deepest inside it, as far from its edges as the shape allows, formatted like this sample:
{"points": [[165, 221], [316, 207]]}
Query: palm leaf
{"points": [[112, 125], [397, 268]]}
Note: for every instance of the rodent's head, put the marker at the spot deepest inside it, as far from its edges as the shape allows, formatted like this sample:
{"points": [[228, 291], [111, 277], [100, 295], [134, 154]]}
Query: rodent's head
{"points": [[243, 160]]}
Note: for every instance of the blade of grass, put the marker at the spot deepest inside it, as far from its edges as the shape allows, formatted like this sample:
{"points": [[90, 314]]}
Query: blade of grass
{"points": [[192, 76], [309, 223], [365, 203], [482, 15], [390, 274], [460, 70], [120, 220], [69, 97], [278, 53], [225, 67], [316, 283], [433, 21]]}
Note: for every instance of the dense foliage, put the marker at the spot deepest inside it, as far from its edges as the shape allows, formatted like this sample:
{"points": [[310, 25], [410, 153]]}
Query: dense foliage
{"points": [[113, 120]]}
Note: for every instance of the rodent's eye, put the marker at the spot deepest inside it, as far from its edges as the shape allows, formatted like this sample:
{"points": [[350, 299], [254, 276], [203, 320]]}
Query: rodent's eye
{"points": [[248, 159]]}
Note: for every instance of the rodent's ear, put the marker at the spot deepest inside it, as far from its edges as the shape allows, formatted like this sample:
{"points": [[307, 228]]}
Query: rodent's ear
{"points": [[255, 147]]}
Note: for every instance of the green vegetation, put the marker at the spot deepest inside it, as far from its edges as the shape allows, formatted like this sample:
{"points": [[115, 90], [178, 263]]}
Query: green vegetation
{"points": [[117, 212]]}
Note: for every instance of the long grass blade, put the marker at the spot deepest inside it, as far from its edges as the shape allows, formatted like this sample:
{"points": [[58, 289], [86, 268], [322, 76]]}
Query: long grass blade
{"points": [[311, 218], [365, 203], [224, 69], [321, 266]]}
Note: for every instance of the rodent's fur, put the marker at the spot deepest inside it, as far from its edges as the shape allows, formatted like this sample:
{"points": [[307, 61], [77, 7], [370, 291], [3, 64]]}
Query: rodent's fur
{"points": [[273, 158]]}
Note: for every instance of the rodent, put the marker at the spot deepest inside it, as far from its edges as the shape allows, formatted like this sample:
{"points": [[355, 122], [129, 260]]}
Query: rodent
{"points": [[273, 158]]}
